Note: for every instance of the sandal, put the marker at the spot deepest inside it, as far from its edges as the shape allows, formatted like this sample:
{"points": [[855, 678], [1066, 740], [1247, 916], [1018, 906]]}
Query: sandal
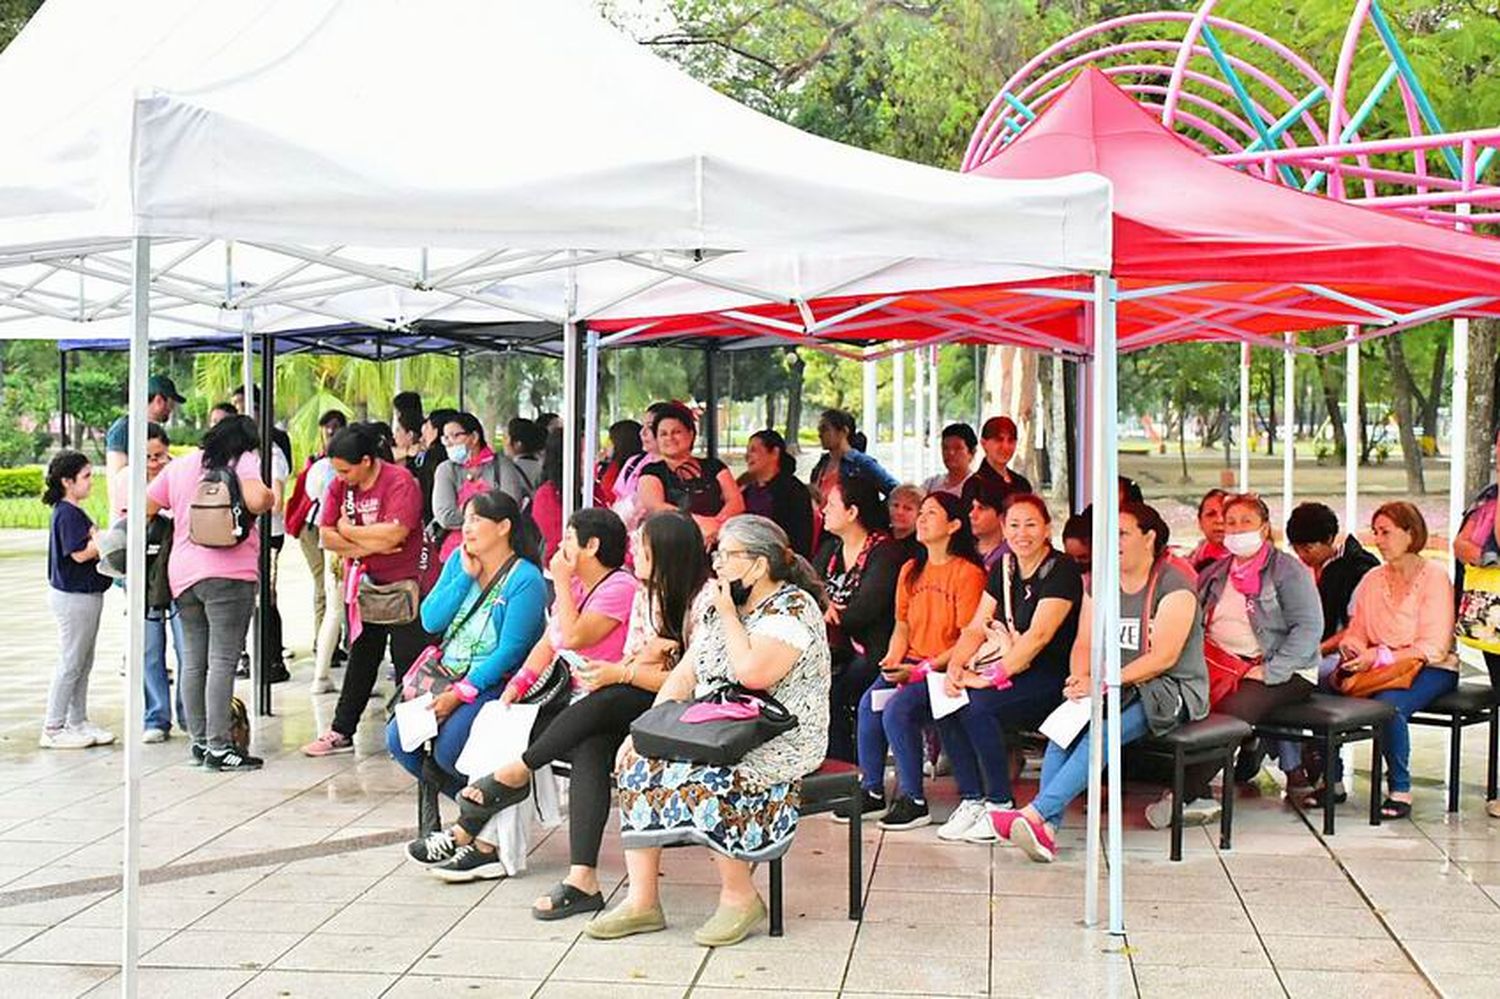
{"points": [[497, 795], [1390, 808], [1316, 799], [568, 901]]}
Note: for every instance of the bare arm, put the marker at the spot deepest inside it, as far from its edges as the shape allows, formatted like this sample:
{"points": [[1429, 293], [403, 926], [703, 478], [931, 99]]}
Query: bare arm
{"points": [[1050, 615], [650, 494], [1170, 628]]}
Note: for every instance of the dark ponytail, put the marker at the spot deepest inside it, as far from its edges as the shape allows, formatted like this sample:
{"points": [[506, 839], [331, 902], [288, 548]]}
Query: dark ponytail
{"points": [[64, 465]]}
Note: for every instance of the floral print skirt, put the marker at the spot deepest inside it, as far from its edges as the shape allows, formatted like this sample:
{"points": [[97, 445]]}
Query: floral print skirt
{"points": [[668, 803]]}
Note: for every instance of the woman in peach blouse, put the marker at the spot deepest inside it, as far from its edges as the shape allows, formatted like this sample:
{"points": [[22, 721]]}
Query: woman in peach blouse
{"points": [[1402, 610]]}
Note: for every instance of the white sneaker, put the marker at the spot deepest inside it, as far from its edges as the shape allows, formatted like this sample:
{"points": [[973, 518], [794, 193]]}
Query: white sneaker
{"points": [[65, 738], [962, 820], [1159, 812], [323, 686], [153, 735], [101, 736], [983, 830]]}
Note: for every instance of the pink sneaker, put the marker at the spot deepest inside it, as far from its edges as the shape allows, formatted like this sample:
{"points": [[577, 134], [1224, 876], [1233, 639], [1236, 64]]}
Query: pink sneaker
{"points": [[1033, 840], [330, 743], [1003, 820]]}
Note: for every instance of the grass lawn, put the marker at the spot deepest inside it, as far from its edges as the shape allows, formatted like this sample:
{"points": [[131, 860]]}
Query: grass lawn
{"points": [[32, 513]]}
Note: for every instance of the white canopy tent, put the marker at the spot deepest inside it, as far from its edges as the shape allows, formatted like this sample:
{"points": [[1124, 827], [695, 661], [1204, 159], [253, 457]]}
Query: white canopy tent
{"points": [[283, 163]]}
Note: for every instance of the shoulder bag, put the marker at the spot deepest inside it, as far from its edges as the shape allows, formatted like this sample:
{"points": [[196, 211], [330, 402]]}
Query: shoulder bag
{"points": [[717, 729], [428, 673]]}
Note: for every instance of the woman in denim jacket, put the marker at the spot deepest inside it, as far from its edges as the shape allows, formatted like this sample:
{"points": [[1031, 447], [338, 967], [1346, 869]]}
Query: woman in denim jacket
{"points": [[1261, 605]]}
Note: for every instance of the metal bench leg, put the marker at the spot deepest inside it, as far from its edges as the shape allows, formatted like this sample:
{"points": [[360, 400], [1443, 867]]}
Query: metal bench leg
{"points": [[856, 857], [1226, 816], [1377, 778], [1179, 765], [1490, 789], [776, 924], [1455, 759], [1331, 748]]}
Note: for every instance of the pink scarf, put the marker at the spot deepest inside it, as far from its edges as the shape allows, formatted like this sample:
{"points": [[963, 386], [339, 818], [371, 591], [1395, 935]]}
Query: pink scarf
{"points": [[1246, 577]]}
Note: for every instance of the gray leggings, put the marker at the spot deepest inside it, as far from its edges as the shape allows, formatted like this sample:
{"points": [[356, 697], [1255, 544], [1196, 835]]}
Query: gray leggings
{"points": [[215, 616], [78, 617]]}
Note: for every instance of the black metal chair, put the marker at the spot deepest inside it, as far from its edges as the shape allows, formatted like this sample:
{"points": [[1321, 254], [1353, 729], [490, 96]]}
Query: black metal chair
{"points": [[1468, 704], [829, 791], [1215, 738], [1334, 721]]}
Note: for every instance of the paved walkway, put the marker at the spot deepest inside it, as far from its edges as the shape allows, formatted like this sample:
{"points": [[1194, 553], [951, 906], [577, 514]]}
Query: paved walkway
{"points": [[290, 882]]}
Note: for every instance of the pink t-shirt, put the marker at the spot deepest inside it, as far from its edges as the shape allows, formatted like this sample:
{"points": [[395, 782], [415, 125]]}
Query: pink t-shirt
{"points": [[189, 562], [612, 598]]}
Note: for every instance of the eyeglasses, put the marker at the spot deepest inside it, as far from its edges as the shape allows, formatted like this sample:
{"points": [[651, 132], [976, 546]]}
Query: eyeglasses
{"points": [[722, 555]]}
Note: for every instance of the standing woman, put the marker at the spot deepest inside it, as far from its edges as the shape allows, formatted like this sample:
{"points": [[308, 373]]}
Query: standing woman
{"points": [[1262, 624], [702, 487], [624, 444], [765, 632], [472, 468], [1033, 598], [772, 490], [936, 595], [1161, 670], [214, 587], [77, 598], [859, 564]]}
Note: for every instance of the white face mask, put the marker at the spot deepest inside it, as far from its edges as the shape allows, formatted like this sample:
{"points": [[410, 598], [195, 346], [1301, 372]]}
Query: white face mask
{"points": [[1244, 544]]}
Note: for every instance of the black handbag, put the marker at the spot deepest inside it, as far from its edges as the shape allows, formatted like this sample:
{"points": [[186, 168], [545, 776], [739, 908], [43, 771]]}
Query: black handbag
{"points": [[717, 729]]}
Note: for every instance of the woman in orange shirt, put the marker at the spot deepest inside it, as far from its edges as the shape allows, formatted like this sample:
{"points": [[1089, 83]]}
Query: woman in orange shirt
{"points": [[936, 595]]}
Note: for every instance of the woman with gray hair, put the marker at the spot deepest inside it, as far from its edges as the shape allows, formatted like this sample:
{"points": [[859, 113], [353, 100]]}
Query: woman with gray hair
{"points": [[765, 632]]}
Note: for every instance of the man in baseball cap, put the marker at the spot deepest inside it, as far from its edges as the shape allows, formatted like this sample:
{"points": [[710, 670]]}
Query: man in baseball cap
{"points": [[162, 398]]}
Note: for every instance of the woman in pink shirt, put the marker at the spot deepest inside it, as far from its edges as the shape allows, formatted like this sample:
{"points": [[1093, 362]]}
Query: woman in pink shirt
{"points": [[1402, 610], [214, 587]]}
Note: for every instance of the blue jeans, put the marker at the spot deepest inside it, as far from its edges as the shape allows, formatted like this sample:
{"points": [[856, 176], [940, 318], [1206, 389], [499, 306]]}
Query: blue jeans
{"points": [[1065, 772], [975, 735], [1395, 735], [452, 734], [158, 687], [898, 727]]}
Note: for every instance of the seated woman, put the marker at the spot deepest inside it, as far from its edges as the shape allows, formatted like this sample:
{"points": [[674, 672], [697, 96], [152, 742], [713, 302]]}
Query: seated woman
{"points": [[703, 487], [490, 605], [1035, 612], [859, 564], [1262, 625], [936, 595], [765, 632], [1211, 523], [589, 615], [771, 489], [1161, 669], [1403, 615], [672, 565]]}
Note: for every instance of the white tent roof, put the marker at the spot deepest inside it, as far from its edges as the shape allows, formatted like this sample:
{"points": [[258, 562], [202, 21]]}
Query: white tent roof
{"points": [[342, 137]]}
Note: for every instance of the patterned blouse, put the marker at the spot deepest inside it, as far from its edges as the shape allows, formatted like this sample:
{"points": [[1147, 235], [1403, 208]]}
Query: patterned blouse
{"points": [[789, 615], [645, 618]]}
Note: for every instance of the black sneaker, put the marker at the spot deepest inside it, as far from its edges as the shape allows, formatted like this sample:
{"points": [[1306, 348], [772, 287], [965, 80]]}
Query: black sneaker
{"points": [[470, 863], [435, 848], [231, 759], [1247, 765], [199, 750], [872, 806], [906, 814], [276, 672]]}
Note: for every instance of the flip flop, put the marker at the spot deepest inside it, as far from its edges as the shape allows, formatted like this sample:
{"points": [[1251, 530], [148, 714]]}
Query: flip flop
{"points": [[498, 795], [1390, 808], [568, 901]]}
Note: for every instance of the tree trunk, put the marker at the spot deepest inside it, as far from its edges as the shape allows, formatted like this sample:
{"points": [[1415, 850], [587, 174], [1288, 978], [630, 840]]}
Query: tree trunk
{"points": [[1404, 391], [794, 400], [771, 411], [1331, 403], [1435, 384], [1182, 433], [1057, 430], [1484, 413], [1271, 404], [1365, 443]]}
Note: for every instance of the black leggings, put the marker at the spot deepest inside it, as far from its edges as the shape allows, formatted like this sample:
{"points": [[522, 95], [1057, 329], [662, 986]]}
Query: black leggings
{"points": [[588, 735], [1251, 702]]}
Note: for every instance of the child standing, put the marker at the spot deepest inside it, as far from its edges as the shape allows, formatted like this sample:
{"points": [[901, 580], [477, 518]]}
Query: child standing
{"points": [[77, 599]]}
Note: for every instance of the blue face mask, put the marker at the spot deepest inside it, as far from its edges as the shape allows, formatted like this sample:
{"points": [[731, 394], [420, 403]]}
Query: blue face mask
{"points": [[458, 453]]}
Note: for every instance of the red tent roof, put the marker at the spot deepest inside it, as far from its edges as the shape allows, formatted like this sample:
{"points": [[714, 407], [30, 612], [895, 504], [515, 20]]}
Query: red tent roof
{"points": [[1201, 251]]}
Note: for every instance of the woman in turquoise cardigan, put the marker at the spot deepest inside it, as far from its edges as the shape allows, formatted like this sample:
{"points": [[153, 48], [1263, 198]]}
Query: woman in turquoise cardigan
{"points": [[483, 646]]}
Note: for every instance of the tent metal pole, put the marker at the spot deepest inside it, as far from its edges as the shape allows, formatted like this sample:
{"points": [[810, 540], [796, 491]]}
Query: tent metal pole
{"points": [[1289, 425], [1244, 418], [1083, 422], [265, 595], [1458, 447], [933, 426], [711, 403], [62, 399], [871, 421], [258, 618], [898, 414], [462, 358], [570, 395], [919, 411], [1351, 432], [1106, 644], [135, 598], [590, 414], [1088, 482]]}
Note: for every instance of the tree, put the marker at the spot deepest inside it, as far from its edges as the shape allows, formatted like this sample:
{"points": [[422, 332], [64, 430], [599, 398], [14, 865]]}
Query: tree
{"points": [[1405, 394]]}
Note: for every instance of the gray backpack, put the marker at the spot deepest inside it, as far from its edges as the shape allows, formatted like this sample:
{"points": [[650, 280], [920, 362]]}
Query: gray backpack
{"points": [[217, 516]]}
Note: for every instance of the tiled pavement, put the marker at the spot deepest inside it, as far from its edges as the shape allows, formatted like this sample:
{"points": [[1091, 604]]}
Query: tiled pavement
{"points": [[289, 882]]}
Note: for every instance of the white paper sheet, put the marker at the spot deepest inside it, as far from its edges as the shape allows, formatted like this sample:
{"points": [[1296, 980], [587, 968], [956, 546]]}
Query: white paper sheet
{"points": [[942, 704], [500, 734], [878, 698], [415, 722], [1067, 720]]}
